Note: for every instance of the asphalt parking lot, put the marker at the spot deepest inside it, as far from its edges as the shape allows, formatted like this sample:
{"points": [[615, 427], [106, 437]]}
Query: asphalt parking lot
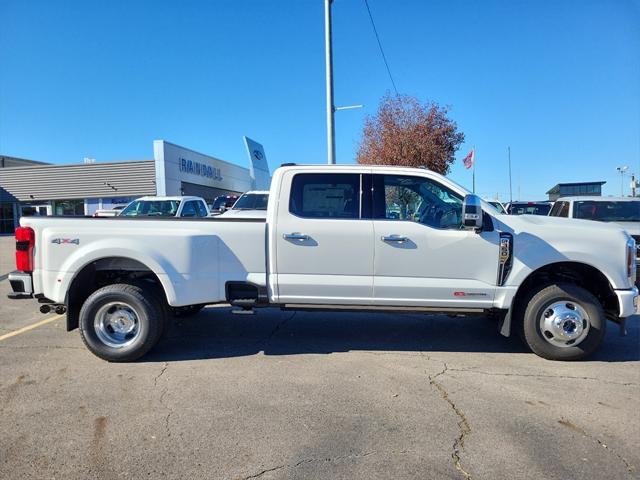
{"points": [[312, 395]]}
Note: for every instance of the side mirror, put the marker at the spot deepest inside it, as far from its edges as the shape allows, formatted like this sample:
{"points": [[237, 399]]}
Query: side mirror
{"points": [[472, 212]]}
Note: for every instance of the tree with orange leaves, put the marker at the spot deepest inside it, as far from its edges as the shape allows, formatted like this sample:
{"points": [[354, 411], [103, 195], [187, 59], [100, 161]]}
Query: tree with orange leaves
{"points": [[409, 133]]}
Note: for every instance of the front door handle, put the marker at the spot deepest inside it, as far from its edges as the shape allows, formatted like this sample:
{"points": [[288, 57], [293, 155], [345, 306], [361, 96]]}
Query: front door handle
{"points": [[395, 238], [295, 236]]}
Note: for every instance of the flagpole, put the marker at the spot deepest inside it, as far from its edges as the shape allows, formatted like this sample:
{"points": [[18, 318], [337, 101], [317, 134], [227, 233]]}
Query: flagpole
{"points": [[474, 168]]}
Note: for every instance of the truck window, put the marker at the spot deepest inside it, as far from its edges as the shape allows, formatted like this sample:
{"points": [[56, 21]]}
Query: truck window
{"points": [[416, 199], [608, 211], [151, 208], [202, 210], [560, 209], [325, 195], [189, 210]]}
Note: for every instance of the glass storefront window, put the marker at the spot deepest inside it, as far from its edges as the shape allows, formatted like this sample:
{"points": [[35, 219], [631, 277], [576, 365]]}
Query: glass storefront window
{"points": [[74, 208]]}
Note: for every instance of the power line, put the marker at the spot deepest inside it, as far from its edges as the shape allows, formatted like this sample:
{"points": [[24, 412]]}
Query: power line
{"points": [[375, 30]]}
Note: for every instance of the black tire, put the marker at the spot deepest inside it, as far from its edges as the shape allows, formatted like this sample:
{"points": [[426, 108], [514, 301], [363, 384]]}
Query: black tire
{"points": [[155, 293], [186, 311], [538, 305], [150, 321]]}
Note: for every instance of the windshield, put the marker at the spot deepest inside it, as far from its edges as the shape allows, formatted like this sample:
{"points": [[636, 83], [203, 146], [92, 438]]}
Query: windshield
{"points": [[529, 209], [607, 211], [151, 208], [252, 201], [497, 206]]}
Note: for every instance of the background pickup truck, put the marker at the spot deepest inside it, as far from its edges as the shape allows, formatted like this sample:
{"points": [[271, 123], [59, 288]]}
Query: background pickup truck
{"points": [[335, 237]]}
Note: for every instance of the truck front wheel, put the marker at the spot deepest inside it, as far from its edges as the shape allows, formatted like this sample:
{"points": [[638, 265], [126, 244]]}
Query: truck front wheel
{"points": [[563, 322], [121, 322]]}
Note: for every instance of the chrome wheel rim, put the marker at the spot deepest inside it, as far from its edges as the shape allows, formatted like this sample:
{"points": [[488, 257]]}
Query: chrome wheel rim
{"points": [[117, 324], [564, 323]]}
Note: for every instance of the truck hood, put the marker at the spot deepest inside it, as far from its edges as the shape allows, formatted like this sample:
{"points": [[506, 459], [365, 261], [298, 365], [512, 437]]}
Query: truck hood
{"points": [[632, 228], [551, 225]]}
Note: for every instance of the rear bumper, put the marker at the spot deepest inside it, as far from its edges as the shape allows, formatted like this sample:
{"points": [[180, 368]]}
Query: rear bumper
{"points": [[21, 284], [628, 302]]}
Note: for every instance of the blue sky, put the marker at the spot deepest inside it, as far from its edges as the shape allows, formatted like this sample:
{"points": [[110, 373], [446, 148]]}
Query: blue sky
{"points": [[558, 81]]}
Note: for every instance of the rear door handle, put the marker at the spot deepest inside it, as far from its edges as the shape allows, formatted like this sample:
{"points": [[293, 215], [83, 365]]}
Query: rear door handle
{"points": [[295, 236], [395, 238]]}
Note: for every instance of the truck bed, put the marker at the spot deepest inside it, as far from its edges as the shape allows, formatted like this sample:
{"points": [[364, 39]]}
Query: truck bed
{"points": [[193, 258]]}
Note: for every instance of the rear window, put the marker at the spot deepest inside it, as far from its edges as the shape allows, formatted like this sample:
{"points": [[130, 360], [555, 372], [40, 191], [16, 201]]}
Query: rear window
{"points": [[226, 201], [334, 195], [151, 208], [529, 209], [252, 201], [607, 211]]}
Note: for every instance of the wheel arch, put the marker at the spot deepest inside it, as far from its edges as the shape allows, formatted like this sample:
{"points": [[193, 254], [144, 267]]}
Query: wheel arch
{"points": [[582, 274], [107, 270]]}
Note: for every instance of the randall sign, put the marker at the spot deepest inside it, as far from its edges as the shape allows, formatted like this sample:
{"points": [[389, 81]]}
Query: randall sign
{"points": [[197, 168], [181, 171]]}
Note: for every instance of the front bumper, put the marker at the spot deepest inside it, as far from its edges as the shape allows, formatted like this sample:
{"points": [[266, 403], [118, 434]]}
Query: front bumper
{"points": [[21, 284], [628, 302]]}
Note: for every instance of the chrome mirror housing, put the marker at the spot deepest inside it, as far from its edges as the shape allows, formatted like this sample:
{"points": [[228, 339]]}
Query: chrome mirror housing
{"points": [[472, 212]]}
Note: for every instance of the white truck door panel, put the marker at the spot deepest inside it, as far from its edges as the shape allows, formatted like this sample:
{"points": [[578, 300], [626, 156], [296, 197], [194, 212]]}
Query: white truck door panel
{"points": [[442, 268], [324, 251], [421, 256]]}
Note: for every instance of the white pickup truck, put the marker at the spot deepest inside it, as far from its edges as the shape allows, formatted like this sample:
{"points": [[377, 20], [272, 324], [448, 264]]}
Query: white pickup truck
{"points": [[335, 238]]}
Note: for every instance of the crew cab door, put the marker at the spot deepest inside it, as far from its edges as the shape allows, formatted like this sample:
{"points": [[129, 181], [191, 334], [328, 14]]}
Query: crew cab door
{"points": [[423, 257], [323, 240]]}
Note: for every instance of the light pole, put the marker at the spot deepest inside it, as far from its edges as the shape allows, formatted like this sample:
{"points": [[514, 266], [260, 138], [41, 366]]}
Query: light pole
{"points": [[331, 108], [622, 170], [510, 189], [331, 141]]}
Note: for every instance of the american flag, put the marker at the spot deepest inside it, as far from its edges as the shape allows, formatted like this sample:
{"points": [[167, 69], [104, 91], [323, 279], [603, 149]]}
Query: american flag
{"points": [[469, 159]]}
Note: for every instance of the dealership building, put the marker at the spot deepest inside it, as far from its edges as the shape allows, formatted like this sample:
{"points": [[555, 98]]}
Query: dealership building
{"points": [[29, 187]]}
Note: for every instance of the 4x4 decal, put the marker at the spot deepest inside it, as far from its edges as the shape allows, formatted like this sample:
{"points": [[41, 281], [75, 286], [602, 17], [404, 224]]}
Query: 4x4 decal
{"points": [[62, 241]]}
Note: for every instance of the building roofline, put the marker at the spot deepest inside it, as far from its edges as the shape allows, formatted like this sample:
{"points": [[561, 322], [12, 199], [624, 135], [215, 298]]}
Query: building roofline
{"points": [[557, 186], [66, 165]]}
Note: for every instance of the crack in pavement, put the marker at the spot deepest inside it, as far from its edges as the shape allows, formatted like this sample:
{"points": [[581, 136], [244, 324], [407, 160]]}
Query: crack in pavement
{"points": [[567, 423], [538, 375], [463, 423], [161, 400], [315, 460]]}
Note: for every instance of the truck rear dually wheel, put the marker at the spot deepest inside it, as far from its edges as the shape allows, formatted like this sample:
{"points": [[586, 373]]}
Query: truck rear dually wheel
{"points": [[563, 321], [121, 322]]}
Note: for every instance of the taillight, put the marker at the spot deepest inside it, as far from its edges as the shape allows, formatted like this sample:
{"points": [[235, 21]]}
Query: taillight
{"points": [[631, 260], [25, 241]]}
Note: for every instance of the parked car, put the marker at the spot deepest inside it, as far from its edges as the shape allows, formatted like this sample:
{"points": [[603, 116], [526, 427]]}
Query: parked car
{"points": [[528, 208], [109, 212], [337, 237], [166, 207], [498, 206], [250, 205], [222, 203]]}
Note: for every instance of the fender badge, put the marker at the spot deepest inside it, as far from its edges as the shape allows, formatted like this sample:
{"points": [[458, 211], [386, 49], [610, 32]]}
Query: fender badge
{"points": [[62, 241]]}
